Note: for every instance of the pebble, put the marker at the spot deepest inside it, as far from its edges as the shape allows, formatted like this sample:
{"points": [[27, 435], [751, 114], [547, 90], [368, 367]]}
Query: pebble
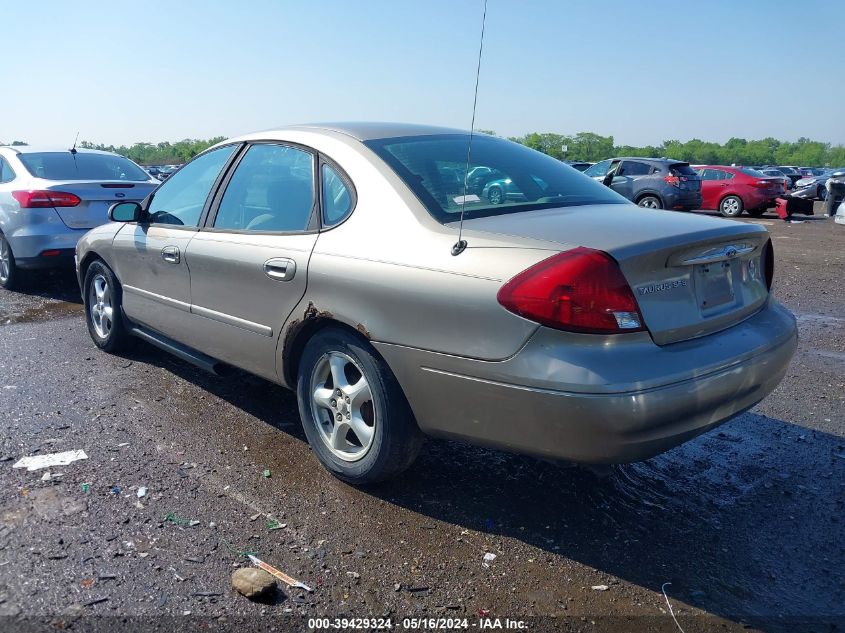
{"points": [[253, 583]]}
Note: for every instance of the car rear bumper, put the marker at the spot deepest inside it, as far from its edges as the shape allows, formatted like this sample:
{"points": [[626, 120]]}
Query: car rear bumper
{"points": [[683, 200], [612, 405], [41, 233]]}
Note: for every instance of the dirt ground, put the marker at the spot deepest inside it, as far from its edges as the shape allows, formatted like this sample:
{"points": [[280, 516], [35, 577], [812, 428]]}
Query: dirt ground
{"points": [[745, 522]]}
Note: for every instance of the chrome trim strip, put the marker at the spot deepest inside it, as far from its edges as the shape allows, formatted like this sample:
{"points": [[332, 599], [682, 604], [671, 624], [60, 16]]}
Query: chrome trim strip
{"points": [[719, 254], [228, 319], [173, 303]]}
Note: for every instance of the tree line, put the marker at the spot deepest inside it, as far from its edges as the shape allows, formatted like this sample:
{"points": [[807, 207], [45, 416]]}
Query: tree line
{"points": [[587, 146], [584, 146]]}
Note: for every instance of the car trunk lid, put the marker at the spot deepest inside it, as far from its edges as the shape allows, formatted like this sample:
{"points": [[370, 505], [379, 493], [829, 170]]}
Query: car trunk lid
{"points": [[692, 275], [95, 199]]}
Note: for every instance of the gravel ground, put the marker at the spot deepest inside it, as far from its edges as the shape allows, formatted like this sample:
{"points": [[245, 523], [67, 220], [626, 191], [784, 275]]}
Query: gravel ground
{"points": [[745, 522]]}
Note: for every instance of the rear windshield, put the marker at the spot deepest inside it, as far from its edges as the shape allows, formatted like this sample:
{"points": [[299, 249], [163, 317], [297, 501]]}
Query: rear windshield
{"points": [[81, 166], [751, 172], [682, 169], [503, 177]]}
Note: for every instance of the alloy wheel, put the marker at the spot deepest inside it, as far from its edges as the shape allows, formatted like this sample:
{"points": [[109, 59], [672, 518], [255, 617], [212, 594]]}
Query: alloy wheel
{"points": [[5, 261], [649, 203], [342, 406], [100, 306], [730, 206]]}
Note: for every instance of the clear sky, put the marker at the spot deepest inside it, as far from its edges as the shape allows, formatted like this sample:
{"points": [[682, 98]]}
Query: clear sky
{"points": [[642, 71]]}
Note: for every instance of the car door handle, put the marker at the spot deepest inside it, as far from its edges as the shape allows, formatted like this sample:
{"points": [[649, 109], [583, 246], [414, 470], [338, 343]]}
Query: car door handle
{"points": [[170, 254], [280, 268]]}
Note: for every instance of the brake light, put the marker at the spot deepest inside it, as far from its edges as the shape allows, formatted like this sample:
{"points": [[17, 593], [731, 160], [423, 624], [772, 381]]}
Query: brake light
{"points": [[675, 181], [763, 183], [581, 290], [38, 199]]}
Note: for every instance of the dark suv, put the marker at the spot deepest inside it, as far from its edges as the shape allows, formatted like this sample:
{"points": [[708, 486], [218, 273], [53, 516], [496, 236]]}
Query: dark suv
{"points": [[656, 183]]}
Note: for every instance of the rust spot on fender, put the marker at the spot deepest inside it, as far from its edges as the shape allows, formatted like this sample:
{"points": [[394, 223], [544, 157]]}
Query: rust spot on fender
{"points": [[311, 312], [360, 327]]}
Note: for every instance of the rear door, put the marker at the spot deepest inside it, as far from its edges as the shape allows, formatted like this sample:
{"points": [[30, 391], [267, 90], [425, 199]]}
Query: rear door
{"points": [[150, 256], [249, 264]]}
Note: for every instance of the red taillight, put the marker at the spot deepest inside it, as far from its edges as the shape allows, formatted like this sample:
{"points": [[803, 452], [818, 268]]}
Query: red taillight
{"points": [[675, 181], [51, 253], [39, 199], [581, 290], [763, 184]]}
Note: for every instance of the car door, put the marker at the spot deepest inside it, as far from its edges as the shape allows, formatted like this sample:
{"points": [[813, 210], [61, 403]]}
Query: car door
{"points": [[149, 256], [249, 263]]}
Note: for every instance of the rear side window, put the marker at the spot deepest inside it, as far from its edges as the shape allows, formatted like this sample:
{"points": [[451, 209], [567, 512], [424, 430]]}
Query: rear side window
{"points": [[682, 169], [81, 166], [272, 189], [6, 173], [180, 200], [337, 199], [634, 168]]}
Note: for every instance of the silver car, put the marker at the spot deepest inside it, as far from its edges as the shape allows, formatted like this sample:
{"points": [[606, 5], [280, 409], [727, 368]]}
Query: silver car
{"points": [[568, 324], [50, 198]]}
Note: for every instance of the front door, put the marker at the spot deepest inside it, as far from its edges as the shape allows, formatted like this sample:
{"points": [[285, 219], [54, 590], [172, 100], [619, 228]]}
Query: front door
{"points": [[249, 264], [150, 255]]}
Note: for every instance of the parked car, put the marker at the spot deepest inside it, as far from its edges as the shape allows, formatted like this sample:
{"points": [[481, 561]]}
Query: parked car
{"points": [[579, 165], [777, 173], [792, 172], [655, 183], [165, 171], [732, 190], [50, 198], [813, 187], [569, 324], [153, 171]]}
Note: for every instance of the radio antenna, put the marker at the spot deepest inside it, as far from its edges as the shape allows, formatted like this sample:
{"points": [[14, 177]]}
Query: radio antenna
{"points": [[461, 244], [73, 149]]}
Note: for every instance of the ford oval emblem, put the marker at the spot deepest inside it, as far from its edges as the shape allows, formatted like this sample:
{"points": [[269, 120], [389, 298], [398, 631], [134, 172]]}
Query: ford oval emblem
{"points": [[120, 195]]}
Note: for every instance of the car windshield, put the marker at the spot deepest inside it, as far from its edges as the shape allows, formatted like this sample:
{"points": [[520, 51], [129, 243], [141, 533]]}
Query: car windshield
{"points": [[81, 166], [503, 177]]}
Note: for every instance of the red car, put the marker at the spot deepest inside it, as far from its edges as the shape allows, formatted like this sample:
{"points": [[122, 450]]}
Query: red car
{"points": [[732, 190]]}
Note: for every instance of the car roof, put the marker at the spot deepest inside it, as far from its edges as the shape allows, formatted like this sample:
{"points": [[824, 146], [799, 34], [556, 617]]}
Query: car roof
{"points": [[371, 130], [652, 160], [36, 149]]}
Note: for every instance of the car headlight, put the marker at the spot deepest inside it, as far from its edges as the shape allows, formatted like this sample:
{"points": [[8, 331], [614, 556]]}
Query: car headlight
{"points": [[804, 182]]}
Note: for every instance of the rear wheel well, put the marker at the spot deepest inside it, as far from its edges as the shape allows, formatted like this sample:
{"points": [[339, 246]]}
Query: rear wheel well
{"points": [[300, 333], [648, 194]]}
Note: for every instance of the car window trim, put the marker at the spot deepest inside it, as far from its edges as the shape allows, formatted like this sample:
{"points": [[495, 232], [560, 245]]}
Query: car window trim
{"points": [[209, 197], [313, 225]]}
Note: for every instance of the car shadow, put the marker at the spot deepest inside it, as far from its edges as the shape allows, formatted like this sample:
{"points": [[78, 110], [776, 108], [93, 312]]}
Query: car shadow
{"points": [[744, 521], [58, 285]]}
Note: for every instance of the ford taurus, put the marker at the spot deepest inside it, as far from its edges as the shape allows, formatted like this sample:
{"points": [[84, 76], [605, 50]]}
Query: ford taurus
{"points": [[350, 263]]}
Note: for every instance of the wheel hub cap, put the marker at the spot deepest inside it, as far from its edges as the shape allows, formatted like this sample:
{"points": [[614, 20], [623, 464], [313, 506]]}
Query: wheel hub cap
{"points": [[99, 300]]}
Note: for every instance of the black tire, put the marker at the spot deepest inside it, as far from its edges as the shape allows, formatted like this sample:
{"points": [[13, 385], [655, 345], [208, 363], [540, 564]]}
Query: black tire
{"points": [[822, 193], [117, 338], [650, 202], [396, 439], [756, 213], [10, 274], [495, 195], [731, 206]]}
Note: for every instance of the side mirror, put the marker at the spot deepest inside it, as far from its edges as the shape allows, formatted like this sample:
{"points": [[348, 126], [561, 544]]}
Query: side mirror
{"points": [[608, 178], [126, 212]]}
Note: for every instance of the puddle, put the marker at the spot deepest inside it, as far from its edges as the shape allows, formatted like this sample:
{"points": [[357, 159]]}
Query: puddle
{"points": [[52, 310]]}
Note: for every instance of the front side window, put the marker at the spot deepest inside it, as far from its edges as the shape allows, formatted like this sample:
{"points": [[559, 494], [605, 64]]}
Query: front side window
{"points": [[180, 199], [272, 189], [599, 169], [81, 166], [337, 200], [519, 178]]}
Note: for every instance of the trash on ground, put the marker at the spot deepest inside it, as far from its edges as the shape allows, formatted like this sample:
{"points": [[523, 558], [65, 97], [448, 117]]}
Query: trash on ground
{"points": [[115, 490], [600, 587], [272, 524], [172, 518], [253, 583], [37, 462], [488, 558], [267, 473], [86, 487], [254, 516], [289, 581], [142, 491]]}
